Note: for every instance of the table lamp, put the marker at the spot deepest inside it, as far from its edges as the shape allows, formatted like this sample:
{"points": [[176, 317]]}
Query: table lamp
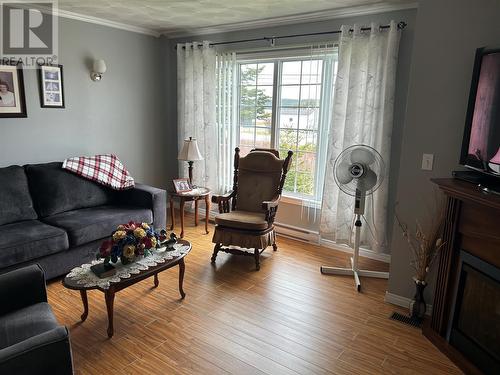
{"points": [[190, 152]]}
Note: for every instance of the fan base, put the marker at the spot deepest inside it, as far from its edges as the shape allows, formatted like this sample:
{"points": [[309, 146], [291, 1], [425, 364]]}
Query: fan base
{"points": [[325, 270]]}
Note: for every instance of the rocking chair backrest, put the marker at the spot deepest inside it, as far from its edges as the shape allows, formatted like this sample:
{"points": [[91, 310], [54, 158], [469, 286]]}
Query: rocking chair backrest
{"points": [[259, 177]]}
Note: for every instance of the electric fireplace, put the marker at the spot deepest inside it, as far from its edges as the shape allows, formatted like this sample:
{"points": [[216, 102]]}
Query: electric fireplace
{"points": [[475, 327]]}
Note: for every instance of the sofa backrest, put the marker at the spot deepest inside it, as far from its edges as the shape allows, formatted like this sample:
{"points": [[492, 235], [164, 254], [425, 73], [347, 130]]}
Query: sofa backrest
{"points": [[15, 200], [56, 190]]}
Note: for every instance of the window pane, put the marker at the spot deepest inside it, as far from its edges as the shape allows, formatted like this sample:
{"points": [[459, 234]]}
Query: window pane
{"points": [[248, 95], [309, 118], [289, 118], [288, 139], [311, 71], [290, 96], [247, 116], [305, 183], [244, 150], [306, 161], [290, 181], [247, 136], [265, 74], [263, 137], [309, 96], [290, 72], [264, 116], [264, 95], [307, 141], [248, 74]]}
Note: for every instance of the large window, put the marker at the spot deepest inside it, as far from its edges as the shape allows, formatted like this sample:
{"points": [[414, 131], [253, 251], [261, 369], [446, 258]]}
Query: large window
{"points": [[285, 103]]}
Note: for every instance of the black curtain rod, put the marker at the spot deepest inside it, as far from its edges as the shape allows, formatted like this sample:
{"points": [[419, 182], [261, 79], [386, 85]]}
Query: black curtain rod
{"points": [[401, 26]]}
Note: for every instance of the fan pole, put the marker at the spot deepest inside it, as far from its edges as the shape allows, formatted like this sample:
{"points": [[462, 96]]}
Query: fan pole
{"points": [[354, 270]]}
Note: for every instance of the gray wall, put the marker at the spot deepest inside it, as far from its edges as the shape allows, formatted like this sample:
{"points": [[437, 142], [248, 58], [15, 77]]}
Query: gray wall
{"points": [[291, 214], [448, 32], [122, 114]]}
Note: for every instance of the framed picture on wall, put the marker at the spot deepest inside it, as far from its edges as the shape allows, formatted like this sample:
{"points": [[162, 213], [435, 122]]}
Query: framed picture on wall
{"points": [[50, 79], [12, 98]]}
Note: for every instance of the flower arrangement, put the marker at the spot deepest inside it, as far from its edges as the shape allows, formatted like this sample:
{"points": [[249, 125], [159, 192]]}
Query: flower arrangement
{"points": [[129, 241], [424, 245]]}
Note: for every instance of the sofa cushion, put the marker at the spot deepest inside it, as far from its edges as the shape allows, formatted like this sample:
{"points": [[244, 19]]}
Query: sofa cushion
{"points": [[242, 220], [27, 240], [56, 190], [90, 224], [27, 322], [15, 199]]}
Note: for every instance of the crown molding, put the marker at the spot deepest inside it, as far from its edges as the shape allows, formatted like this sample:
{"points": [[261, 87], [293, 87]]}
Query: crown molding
{"points": [[101, 21], [60, 13], [323, 15]]}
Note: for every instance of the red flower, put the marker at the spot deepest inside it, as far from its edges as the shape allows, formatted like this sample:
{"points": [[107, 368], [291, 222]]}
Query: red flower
{"points": [[147, 242], [130, 226], [105, 249]]}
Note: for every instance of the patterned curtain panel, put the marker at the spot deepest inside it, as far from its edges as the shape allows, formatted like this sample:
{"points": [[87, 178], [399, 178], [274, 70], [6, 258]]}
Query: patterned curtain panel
{"points": [[227, 106], [196, 110], [363, 107]]}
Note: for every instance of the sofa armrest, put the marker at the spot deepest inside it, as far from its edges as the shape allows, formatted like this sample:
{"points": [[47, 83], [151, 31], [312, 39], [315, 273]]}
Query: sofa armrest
{"points": [[22, 287], [46, 353], [148, 197]]}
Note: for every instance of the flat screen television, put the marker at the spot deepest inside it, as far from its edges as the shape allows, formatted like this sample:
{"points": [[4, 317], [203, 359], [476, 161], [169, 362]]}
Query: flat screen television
{"points": [[481, 142]]}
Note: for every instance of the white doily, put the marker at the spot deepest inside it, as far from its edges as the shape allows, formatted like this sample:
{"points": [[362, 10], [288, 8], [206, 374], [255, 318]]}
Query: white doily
{"points": [[84, 276]]}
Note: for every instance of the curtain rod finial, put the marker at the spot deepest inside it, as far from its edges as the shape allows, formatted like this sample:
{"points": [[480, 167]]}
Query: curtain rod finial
{"points": [[402, 25]]}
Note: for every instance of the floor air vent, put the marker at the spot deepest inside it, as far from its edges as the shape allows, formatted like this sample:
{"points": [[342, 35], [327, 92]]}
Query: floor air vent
{"points": [[417, 323]]}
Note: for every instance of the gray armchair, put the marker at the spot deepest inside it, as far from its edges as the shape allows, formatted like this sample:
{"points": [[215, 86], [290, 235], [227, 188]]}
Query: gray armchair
{"points": [[31, 340]]}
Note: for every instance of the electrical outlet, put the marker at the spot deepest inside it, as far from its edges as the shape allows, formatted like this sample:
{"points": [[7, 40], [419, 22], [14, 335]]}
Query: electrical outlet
{"points": [[427, 162]]}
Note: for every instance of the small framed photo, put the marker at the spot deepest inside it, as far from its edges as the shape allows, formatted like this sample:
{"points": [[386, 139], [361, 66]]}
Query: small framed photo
{"points": [[12, 98], [182, 185], [50, 78]]}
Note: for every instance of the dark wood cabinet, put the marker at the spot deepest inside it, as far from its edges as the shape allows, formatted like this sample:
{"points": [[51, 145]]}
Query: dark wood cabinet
{"points": [[472, 230]]}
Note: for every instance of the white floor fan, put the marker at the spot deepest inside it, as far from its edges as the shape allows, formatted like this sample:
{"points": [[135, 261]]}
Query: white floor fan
{"points": [[359, 171]]}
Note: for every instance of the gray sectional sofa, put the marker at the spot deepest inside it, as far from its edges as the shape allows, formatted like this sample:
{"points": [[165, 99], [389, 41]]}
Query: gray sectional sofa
{"points": [[57, 219]]}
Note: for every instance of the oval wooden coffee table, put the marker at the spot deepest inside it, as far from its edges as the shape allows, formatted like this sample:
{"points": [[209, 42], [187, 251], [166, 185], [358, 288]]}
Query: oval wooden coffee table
{"points": [[109, 293]]}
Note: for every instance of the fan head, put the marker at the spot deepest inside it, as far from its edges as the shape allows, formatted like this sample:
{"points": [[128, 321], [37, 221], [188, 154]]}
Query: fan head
{"points": [[361, 168]]}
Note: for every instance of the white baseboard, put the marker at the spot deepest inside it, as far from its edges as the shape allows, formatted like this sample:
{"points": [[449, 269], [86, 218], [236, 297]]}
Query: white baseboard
{"points": [[310, 236], [404, 302]]}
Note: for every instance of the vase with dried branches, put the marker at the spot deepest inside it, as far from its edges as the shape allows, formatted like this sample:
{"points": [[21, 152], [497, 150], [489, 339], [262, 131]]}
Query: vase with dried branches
{"points": [[424, 246]]}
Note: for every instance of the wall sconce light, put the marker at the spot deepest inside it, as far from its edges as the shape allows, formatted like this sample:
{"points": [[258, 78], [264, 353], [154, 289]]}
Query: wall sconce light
{"points": [[98, 70]]}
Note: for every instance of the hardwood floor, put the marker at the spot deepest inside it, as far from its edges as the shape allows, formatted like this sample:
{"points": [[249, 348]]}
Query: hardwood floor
{"points": [[285, 319]]}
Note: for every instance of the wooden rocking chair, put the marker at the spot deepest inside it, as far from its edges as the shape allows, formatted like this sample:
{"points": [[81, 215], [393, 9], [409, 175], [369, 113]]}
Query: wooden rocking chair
{"points": [[246, 214]]}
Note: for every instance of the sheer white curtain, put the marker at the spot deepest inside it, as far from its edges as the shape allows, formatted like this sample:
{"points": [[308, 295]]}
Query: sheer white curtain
{"points": [[196, 111], [227, 95], [363, 107]]}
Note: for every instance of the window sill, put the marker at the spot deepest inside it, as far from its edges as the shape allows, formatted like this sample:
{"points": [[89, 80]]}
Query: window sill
{"points": [[290, 199]]}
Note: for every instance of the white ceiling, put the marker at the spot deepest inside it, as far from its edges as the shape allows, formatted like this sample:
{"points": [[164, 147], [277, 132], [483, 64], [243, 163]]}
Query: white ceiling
{"points": [[176, 17]]}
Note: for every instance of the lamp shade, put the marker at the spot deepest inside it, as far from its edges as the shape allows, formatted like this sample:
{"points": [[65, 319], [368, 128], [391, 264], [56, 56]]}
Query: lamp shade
{"points": [[99, 66], [190, 150]]}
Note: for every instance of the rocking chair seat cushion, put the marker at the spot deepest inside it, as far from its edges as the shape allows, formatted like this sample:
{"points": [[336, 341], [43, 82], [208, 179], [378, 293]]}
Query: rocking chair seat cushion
{"points": [[242, 220]]}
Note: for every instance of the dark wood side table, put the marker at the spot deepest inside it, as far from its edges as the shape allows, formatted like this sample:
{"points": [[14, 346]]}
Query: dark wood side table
{"points": [[194, 195], [109, 294]]}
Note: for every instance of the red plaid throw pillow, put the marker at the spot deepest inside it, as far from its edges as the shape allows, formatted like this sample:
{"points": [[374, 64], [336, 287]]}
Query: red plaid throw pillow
{"points": [[104, 169]]}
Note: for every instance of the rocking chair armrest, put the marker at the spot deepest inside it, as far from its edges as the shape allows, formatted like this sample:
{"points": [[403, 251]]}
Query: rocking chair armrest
{"points": [[268, 205], [223, 198]]}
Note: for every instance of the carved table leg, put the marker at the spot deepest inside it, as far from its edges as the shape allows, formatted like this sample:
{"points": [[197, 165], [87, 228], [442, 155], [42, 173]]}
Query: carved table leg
{"points": [[196, 212], [157, 282], [83, 294], [172, 217], [257, 259], [182, 216], [214, 254], [207, 212], [109, 295], [182, 268]]}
